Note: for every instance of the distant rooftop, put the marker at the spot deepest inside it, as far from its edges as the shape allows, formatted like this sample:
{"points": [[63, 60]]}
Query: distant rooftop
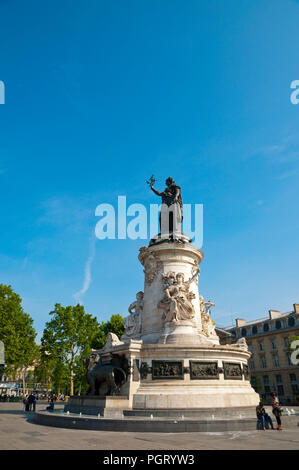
{"points": [[273, 314]]}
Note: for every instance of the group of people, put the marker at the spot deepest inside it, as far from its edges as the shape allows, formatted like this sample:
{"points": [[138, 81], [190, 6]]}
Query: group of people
{"points": [[264, 419], [30, 402]]}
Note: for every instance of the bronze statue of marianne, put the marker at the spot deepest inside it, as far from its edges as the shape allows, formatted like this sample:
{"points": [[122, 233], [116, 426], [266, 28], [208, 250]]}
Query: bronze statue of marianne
{"points": [[171, 198]]}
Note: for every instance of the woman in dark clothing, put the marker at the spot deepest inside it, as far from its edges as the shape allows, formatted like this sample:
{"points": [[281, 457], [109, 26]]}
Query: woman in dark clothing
{"points": [[276, 410]]}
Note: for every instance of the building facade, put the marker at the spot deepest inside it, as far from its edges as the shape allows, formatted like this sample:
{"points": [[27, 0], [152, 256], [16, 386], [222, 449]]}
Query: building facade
{"points": [[271, 366]]}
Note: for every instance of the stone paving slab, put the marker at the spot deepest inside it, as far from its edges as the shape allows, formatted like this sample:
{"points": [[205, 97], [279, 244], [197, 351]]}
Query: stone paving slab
{"points": [[19, 432]]}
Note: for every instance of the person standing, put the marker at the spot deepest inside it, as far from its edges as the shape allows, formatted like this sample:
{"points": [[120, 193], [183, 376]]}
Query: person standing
{"points": [[25, 401], [31, 401], [27, 405], [276, 410], [34, 401]]}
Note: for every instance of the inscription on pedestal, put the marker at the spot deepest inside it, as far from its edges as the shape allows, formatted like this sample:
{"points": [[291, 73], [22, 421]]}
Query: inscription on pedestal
{"points": [[167, 370], [200, 370], [232, 371]]}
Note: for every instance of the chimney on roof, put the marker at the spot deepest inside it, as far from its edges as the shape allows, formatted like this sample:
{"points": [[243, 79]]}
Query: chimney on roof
{"points": [[240, 322], [274, 314], [296, 308]]}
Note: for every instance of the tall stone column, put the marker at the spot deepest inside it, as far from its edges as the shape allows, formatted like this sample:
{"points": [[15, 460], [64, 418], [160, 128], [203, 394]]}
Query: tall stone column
{"points": [[162, 262]]}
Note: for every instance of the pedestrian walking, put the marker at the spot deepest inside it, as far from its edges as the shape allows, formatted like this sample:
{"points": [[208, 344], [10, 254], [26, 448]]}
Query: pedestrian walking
{"points": [[276, 410]]}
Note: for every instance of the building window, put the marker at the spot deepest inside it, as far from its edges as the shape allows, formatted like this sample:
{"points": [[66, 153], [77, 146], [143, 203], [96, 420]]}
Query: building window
{"points": [[243, 332], [289, 359], [279, 383], [266, 384], [263, 362], [254, 330], [294, 385], [275, 360], [253, 383], [274, 345], [261, 346], [291, 321], [250, 347], [251, 364], [278, 324], [286, 342], [266, 326]]}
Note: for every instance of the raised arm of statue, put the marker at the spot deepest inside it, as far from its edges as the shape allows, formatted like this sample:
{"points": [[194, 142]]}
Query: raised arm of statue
{"points": [[155, 190]]}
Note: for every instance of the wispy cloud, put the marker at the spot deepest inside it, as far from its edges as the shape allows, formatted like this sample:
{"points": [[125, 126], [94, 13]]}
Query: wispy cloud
{"points": [[287, 174], [282, 155], [65, 212], [87, 270]]}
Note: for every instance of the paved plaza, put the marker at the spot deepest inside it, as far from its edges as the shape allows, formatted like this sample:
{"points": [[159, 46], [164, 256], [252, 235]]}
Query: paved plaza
{"points": [[19, 432]]}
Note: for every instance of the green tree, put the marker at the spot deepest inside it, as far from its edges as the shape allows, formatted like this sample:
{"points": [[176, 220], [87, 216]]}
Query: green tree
{"points": [[66, 337], [114, 325], [17, 333]]}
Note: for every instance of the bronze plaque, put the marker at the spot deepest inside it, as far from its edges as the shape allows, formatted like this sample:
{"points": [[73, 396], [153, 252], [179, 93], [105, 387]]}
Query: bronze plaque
{"points": [[200, 370], [167, 370], [232, 371]]}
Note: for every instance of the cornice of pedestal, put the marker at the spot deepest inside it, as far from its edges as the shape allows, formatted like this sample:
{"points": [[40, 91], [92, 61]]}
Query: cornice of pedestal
{"points": [[157, 348], [170, 251]]}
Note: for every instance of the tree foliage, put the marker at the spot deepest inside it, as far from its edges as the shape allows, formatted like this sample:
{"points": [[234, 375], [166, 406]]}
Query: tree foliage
{"points": [[67, 336], [16, 332], [114, 325]]}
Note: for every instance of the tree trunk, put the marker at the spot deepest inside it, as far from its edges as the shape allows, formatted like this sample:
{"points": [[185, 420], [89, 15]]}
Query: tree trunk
{"points": [[72, 372], [72, 381], [23, 380]]}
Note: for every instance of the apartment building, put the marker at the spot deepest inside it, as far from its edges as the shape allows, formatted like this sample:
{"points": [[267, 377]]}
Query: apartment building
{"points": [[271, 366]]}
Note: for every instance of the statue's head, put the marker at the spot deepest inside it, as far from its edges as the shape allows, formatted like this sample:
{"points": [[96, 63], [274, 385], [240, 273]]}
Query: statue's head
{"points": [[139, 295], [169, 181], [171, 278], [91, 360], [180, 278]]}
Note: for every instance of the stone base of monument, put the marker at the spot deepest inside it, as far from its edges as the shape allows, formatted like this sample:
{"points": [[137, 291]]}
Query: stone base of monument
{"points": [[173, 421], [171, 388], [106, 406]]}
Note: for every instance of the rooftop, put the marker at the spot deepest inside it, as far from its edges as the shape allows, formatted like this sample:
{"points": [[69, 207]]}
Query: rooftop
{"points": [[273, 315]]}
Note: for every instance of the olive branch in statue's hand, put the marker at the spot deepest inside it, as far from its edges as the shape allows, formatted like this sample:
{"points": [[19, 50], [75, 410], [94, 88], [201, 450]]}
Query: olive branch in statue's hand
{"points": [[151, 181]]}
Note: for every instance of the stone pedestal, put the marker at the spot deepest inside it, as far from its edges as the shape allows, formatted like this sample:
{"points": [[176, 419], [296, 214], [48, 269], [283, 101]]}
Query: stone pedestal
{"points": [[106, 406], [160, 260]]}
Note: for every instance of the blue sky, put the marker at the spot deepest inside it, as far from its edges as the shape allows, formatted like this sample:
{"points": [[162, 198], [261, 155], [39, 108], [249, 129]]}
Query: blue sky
{"points": [[99, 96]]}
